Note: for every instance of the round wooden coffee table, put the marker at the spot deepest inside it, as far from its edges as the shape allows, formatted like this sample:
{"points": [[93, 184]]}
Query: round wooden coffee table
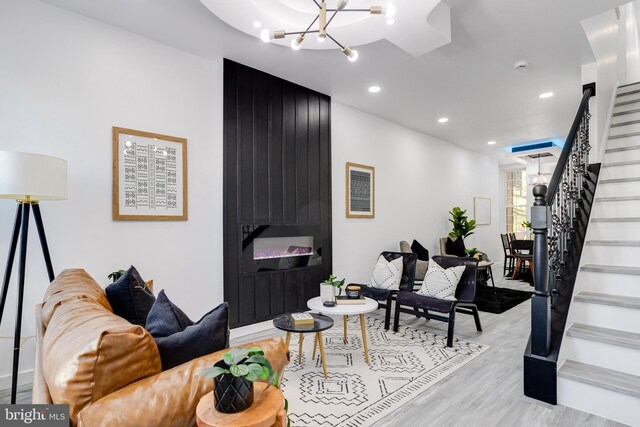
{"points": [[267, 410]]}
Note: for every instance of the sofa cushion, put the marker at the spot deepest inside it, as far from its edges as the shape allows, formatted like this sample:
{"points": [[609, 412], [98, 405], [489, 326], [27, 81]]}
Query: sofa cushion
{"points": [[69, 285], [130, 297], [455, 247], [88, 352], [387, 274], [179, 339], [441, 283], [420, 251]]}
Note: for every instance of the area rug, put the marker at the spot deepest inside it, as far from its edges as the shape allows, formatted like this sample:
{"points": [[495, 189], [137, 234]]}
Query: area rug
{"points": [[402, 365], [499, 300]]}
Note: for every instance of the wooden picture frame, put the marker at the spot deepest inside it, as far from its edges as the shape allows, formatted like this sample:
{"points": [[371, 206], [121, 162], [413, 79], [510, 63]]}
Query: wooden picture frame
{"points": [[360, 192], [482, 210], [149, 176]]}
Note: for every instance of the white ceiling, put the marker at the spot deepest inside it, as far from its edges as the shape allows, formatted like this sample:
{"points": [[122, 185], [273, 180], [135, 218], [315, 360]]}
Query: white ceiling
{"points": [[470, 80]]}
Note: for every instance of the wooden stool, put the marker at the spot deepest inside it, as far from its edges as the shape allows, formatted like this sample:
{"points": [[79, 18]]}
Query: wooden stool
{"points": [[267, 410]]}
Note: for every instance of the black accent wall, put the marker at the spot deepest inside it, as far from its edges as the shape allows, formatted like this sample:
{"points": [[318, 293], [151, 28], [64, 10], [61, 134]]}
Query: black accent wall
{"points": [[277, 170]]}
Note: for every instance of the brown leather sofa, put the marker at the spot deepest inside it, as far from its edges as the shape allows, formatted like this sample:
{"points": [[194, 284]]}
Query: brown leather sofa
{"points": [[107, 369]]}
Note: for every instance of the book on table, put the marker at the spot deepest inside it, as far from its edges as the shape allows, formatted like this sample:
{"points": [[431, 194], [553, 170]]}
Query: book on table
{"points": [[345, 300], [302, 319]]}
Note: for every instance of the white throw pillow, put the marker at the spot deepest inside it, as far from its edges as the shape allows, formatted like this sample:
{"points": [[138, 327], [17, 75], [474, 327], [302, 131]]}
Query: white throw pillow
{"points": [[387, 274], [441, 283]]}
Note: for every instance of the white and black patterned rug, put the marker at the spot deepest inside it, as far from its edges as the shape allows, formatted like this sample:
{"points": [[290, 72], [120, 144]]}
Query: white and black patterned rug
{"points": [[402, 365]]}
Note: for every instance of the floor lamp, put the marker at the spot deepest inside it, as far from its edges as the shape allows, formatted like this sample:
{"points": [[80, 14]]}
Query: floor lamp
{"points": [[28, 179]]}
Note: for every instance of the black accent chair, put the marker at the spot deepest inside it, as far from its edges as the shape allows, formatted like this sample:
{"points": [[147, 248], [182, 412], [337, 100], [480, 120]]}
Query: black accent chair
{"points": [[464, 303], [507, 269], [385, 296]]}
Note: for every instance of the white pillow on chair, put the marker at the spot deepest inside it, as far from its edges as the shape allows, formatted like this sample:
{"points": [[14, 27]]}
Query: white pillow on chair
{"points": [[441, 283], [387, 274]]}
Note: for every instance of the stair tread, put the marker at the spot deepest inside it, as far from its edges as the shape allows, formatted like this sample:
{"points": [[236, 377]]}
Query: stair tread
{"points": [[617, 199], [614, 242], [617, 219], [632, 101], [624, 135], [608, 299], [626, 163], [628, 84], [622, 124], [615, 150], [609, 379], [613, 269], [631, 92], [618, 180], [605, 335], [623, 113]]}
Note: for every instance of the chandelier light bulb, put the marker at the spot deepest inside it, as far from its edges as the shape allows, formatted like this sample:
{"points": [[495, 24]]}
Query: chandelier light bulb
{"points": [[297, 42], [391, 21], [352, 54], [322, 38], [390, 10], [265, 35], [342, 4]]}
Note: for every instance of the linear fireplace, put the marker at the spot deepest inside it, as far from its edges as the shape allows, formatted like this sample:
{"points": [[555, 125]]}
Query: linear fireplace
{"points": [[279, 247]]}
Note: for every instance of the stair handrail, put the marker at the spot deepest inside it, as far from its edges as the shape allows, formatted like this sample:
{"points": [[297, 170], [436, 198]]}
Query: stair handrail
{"points": [[568, 145], [555, 208]]}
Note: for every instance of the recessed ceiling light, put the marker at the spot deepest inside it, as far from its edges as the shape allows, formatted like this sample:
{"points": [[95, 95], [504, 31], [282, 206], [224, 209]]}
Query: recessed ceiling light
{"points": [[257, 24], [491, 142], [374, 89], [546, 95], [443, 120]]}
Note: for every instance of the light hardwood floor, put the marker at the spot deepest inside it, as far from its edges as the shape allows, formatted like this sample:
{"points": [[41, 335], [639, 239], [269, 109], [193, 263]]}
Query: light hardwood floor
{"points": [[485, 392]]}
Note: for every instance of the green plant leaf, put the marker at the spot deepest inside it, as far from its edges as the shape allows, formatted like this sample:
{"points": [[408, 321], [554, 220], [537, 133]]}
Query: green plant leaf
{"points": [[255, 350], [238, 354], [265, 373], [228, 359], [239, 370], [259, 359], [255, 372], [214, 371]]}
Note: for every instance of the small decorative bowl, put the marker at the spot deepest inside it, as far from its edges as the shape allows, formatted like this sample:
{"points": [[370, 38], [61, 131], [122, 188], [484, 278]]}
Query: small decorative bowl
{"points": [[353, 292]]}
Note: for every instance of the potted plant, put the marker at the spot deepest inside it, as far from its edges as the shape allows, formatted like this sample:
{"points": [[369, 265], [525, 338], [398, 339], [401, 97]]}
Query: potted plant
{"points": [[234, 375], [473, 253], [462, 227], [328, 290], [115, 275], [527, 228]]}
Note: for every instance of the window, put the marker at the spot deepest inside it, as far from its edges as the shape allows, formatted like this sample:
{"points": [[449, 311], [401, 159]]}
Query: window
{"points": [[516, 201]]}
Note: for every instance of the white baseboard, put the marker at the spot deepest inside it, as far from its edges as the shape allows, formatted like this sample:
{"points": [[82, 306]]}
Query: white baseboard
{"points": [[250, 329], [24, 377]]}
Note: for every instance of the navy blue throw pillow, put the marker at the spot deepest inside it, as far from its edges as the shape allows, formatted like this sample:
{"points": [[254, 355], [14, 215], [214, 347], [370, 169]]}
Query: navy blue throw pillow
{"points": [[421, 252], [455, 247], [180, 340], [130, 297]]}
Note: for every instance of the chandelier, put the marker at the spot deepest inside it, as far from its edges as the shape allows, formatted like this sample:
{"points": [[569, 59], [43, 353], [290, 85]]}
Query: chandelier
{"points": [[323, 19]]}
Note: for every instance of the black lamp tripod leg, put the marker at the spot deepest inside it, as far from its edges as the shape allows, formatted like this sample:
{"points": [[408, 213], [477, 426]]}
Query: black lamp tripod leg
{"points": [[43, 240], [10, 259], [21, 273]]}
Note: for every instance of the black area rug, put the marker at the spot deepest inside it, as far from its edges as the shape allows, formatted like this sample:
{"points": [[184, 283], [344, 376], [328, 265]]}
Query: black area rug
{"points": [[499, 300]]}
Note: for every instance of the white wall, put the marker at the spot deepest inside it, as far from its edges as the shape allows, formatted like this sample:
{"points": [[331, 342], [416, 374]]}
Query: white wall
{"points": [[65, 80], [418, 180]]}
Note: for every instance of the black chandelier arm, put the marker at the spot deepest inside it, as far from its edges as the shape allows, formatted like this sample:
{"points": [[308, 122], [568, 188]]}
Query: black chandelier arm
{"points": [[331, 19], [349, 10], [335, 41], [317, 4], [293, 33]]}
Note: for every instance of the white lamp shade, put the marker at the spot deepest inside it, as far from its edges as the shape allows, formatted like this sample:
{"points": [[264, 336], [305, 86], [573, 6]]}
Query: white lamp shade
{"points": [[34, 176]]}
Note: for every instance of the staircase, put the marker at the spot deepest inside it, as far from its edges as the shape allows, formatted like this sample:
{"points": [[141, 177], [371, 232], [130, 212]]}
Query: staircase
{"points": [[601, 347]]}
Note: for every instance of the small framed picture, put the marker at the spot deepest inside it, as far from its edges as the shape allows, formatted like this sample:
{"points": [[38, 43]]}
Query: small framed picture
{"points": [[360, 191], [149, 176], [482, 210]]}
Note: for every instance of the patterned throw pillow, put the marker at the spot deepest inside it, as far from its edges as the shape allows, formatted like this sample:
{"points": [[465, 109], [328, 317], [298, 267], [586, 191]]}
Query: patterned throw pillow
{"points": [[441, 283], [387, 274]]}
